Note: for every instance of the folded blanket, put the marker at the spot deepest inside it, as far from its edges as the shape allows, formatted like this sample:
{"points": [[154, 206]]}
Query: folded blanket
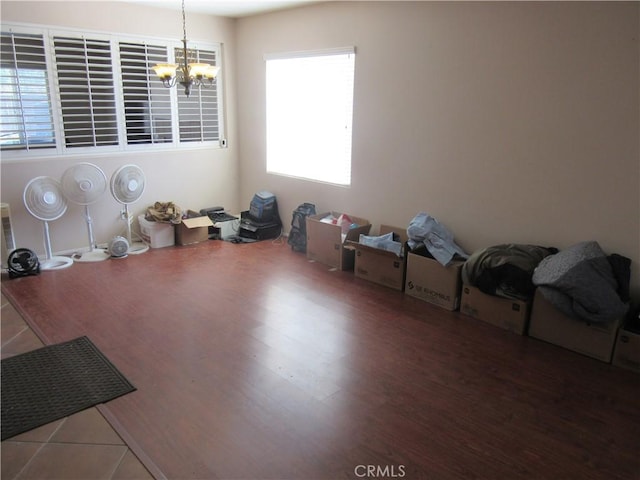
{"points": [[580, 282]]}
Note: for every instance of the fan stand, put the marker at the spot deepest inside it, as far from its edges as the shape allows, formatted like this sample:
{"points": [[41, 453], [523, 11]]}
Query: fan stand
{"points": [[94, 254], [127, 184], [52, 262], [135, 248]]}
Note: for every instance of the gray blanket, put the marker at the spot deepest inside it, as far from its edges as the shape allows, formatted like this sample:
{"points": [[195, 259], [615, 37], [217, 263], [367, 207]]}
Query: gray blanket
{"points": [[580, 283]]}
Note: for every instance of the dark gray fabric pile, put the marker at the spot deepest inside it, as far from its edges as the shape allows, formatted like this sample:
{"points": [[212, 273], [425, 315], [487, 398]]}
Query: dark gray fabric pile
{"points": [[580, 282], [505, 270]]}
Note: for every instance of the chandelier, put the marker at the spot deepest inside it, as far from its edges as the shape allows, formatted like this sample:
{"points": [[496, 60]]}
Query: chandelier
{"points": [[186, 74]]}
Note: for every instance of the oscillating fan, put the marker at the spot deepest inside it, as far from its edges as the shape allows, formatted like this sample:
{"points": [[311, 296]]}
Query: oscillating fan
{"points": [[83, 184], [127, 186], [44, 200]]}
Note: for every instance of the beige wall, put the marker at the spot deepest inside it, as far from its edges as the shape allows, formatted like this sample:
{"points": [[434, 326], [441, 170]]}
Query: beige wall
{"points": [[508, 122], [193, 178]]}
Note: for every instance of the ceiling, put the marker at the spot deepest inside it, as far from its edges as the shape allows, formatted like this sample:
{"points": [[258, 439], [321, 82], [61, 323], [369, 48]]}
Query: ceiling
{"points": [[230, 8]]}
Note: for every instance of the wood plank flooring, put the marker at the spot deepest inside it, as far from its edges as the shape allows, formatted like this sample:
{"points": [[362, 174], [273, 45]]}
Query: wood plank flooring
{"points": [[253, 363]]}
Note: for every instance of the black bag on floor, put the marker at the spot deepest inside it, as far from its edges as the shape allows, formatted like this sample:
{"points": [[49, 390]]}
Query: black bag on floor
{"points": [[298, 234]]}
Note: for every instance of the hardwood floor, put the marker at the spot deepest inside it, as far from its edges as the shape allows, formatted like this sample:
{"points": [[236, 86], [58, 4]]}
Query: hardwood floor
{"points": [[253, 363]]}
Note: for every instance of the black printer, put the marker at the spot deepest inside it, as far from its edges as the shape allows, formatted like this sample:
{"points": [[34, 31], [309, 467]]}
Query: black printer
{"points": [[262, 220]]}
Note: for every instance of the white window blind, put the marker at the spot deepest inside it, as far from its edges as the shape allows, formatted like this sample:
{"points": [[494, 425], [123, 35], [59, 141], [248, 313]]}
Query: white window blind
{"points": [[65, 91], [147, 103], [309, 114], [198, 113], [26, 120], [86, 87]]}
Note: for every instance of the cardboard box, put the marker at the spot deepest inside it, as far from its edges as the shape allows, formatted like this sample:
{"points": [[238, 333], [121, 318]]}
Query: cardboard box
{"points": [[553, 326], [429, 280], [380, 266], [156, 234], [626, 353], [193, 230], [325, 243], [509, 314]]}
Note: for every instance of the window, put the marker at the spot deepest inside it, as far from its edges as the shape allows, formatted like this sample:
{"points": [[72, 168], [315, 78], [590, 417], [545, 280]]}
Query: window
{"points": [[309, 114], [26, 121], [198, 113], [72, 92], [147, 104], [87, 96]]}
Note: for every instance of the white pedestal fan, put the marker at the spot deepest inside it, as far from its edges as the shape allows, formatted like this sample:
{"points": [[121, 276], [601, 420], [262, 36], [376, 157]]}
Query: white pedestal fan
{"points": [[44, 200], [83, 184], [127, 186]]}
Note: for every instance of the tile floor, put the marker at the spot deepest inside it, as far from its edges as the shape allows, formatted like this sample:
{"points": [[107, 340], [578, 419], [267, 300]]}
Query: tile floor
{"points": [[82, 446]]}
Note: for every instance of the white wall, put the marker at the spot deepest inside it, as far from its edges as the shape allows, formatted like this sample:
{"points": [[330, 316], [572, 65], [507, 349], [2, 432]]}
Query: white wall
{"points": [[192, 178], [507, 121]]}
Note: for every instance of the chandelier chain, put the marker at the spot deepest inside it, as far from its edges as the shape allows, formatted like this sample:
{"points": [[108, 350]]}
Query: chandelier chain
{"points": [[184, 23]]}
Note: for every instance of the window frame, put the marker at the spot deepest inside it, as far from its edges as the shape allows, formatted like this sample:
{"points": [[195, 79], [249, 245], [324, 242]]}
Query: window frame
{"points": [[115, 40]]}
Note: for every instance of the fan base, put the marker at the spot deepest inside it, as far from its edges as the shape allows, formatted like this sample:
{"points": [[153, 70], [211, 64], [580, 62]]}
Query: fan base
{"points": [[137, 248], [94, 255], [56, 263]]}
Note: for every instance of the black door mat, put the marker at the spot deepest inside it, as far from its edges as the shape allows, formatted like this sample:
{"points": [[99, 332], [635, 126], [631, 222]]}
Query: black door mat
{"points": [[56, 381]]}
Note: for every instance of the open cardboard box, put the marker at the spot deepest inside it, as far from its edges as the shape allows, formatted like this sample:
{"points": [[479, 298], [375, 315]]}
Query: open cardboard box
{"points": [[193, 230], [551, 325], [507, 313], [380, 266], [325, 242], [626, 353], [429, 280]]}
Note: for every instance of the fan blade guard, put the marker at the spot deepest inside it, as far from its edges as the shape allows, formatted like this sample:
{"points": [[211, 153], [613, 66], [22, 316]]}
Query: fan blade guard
{"points": [[84, 183], [127, 184], [43, 198]]}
